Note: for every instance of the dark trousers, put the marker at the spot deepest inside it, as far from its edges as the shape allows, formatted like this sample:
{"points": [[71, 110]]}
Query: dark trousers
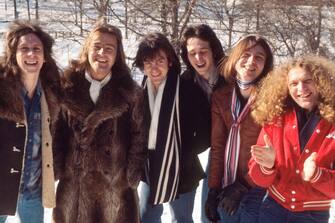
{"points": [[273, 212]]}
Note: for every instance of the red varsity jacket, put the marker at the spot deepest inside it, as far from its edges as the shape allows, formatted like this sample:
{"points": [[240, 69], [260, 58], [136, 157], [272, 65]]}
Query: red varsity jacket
{"points": [[284, 182]]}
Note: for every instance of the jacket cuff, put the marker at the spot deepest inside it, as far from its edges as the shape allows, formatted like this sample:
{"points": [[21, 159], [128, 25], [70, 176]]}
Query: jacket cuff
{"points": [[266, 170], [317, 175]]}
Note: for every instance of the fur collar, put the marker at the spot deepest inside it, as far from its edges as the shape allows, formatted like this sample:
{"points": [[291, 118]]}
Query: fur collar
{"points": [[11, 103], [116, 98]]}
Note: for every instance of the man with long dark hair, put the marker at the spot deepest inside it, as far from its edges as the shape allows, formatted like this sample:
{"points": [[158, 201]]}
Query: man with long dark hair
{"points": [[29, 85], [99, 143], [201, 51]]}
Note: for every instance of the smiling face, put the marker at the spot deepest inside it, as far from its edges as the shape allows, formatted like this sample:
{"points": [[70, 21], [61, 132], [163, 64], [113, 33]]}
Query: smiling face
{"points": [[302, 88], [102, 52], [200, 55], [251, 63], [156, 68], [30, 54]]}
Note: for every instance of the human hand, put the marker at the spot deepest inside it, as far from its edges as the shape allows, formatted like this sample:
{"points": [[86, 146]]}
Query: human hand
{"points": [[309, 167], [264, 155], [231, 197], [211, 205]]}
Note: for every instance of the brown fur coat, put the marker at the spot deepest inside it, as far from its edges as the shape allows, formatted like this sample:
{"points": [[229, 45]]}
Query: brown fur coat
{"points": [[99, 152]]}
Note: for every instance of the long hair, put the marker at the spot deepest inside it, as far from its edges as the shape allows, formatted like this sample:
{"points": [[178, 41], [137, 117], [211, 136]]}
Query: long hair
{"points": [[16, 30], [119, 68], [227, 69], [274, 99], [205, 33], [150, 46]]}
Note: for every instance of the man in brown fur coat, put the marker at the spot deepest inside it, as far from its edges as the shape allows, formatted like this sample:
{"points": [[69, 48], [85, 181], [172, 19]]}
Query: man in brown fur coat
{"points": [[100, 140], [29, 85]]}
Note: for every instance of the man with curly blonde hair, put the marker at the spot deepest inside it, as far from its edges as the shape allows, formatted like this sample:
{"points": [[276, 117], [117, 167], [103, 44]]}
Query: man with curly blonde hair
{"points": [[295, 152]]}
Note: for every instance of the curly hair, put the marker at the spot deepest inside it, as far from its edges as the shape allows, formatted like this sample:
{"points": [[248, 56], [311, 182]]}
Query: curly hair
{"points": [[274, 99]]}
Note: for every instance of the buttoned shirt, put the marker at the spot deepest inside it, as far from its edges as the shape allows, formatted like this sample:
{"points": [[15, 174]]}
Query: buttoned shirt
{"points": [[31, 179]]}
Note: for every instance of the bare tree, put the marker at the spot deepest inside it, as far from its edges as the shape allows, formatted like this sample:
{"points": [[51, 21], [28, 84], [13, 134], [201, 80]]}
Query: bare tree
{"points": [[36, 10], [16, 14], [225, 15], [293, 26], [168, 16], [102, 7], [28, 8]]}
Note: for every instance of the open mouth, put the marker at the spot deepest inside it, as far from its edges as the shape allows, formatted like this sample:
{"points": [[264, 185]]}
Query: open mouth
{"points": [[31, 63], [102, 61], [201, 65], [305, 96], [156, 75], [250, 69]]}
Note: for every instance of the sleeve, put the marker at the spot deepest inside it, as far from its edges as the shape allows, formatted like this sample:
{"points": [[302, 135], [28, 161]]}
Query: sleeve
{"points": [[137, 152], [262, 176], [218, 143], [60, 141], [324, 181]]}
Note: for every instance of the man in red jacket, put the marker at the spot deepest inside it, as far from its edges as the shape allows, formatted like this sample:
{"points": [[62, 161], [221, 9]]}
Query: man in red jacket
{"points": [[295, 154]]}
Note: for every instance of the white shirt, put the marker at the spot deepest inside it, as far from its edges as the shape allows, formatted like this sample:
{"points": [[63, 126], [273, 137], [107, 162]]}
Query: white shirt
{"points": [[96, 86]]}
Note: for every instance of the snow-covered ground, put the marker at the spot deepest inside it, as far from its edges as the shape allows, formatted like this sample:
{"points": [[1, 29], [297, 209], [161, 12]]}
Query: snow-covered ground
{"points": [[65, 50], [166, 215]]}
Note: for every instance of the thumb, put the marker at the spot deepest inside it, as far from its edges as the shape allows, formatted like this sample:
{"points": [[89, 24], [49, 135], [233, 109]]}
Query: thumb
{"points": [[312, 156], [267, 141]]}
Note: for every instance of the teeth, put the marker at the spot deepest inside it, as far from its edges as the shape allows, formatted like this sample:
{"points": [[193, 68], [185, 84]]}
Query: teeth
{"points": [[31, 63], [305, 96]]}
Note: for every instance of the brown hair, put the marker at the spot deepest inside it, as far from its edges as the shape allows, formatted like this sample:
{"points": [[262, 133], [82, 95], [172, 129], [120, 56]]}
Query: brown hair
{"points": [[150, 46], [227, 67], [205, 33], [120, 67], [16, 30]]}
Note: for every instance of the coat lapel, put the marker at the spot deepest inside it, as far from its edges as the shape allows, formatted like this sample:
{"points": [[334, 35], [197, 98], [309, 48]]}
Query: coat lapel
{"points": [[113, 102]]}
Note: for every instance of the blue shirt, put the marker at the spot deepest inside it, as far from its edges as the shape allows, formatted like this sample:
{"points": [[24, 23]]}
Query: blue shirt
{"points": [[31, 180]]}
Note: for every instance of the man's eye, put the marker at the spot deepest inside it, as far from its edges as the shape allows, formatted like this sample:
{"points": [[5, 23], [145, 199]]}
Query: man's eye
{"points": [[24, 49]]}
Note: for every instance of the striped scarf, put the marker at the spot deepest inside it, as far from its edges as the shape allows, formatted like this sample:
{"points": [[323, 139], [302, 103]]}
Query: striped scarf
{"points": [[232, 149], [162, 169]]}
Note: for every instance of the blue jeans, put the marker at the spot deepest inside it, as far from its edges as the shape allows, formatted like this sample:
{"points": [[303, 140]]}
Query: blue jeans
{"points": [[29, 210], [248, 209], [204, 194], [273, 212], [181, 209]]}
